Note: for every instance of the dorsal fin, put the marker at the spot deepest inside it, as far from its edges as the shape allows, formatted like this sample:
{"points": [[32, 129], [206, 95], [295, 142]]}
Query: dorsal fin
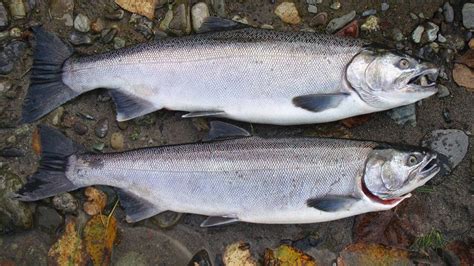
{"points": [[220, 130], [211, 24]]}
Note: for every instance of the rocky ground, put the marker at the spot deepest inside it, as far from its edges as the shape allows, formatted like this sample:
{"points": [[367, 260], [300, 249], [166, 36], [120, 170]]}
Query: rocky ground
{"points": [[433, 227]]}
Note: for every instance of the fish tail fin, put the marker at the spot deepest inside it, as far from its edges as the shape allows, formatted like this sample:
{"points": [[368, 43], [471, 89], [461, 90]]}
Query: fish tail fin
{"points": [[50, 178], [47, 90]]}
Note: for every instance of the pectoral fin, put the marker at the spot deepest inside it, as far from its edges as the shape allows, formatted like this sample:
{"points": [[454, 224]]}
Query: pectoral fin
{"points": [[319, 102], [332, 203], [218, 220], [203, 114], [129, 106], [135, 207], [222, 130]]}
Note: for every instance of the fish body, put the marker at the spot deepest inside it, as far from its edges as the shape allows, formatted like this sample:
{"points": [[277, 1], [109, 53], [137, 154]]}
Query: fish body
{"points": [[274, 181], [244, 73]]}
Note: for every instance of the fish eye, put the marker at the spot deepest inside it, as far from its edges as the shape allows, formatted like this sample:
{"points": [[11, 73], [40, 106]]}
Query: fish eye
{"points": [[412, 160], [404, 63]]}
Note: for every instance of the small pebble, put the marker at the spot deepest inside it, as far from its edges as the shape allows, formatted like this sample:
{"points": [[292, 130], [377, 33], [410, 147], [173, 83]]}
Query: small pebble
{"points": [[417, 33], [3, 17], [116, 15], [443, 91], [12, 152], [288, 13], [369, 12], [340, 22], [98, 25], [468, 15], [199, 12], [385, 6], [57, 115], [335, 5], [371, 24], [79, 38], [98, 146], [312, 9], [432, 31], [404, 114], [448, 12], [441, 38], [80, 128], [48, 219], [447, 116], [319, 19], [17, 9], [122, 125], [11, 139], [413, 16], [117, 141], [15, 32], [102, 128], [421, 15], [82, 23], [267, 27], [397, 35], [65, 202], [119, 43], [107, 35]]}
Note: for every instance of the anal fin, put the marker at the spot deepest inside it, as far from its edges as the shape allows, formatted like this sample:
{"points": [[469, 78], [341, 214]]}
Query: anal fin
{"points": [[221, 130], [135, 207], [129, 106], [319, 102], [218, 220], [203, 114], [331, 203]]}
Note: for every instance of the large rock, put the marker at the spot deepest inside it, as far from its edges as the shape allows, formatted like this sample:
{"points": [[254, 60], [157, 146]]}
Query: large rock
{"points": [[3, 17], [288, 13], [14, 215], [181, 22], [28, 248]]}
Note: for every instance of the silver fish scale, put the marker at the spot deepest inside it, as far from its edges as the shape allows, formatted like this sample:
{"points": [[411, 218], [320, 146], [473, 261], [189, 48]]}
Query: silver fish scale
{"points": [[277, 64], [236, 176]]}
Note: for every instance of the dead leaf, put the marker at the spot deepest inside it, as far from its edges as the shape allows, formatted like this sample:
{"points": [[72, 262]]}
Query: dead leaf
{"points": [[462, 252], [100, 233], [69, 249], [142, 7], [36, 142], [286, 255], [467, 59], [356, 121], [238, 254], [373, 254], [96, 201], [350, 30], [463, 76]]}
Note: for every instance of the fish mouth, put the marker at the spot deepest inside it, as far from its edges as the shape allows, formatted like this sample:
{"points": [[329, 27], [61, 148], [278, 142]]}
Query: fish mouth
{"points": [[425, 80], [430, 167]]}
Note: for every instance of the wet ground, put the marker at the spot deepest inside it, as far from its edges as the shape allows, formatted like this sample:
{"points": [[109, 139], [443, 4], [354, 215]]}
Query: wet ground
{"points": [[28, 230]]}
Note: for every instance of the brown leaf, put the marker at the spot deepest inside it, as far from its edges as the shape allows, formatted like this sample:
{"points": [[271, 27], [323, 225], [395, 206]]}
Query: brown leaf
{"points": [[463, 76], [36, 142], [238, 254], [350, 30], [463, 252], [286, 255], [69, 249], [100, 233], [372, 254], [467, 59], [96, 201], [142, 7], [356, 121], [387, 227]]}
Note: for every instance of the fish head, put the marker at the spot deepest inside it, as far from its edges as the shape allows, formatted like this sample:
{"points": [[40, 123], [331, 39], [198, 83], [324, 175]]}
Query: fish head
{"points": [[392, 173], [385, 78]]}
